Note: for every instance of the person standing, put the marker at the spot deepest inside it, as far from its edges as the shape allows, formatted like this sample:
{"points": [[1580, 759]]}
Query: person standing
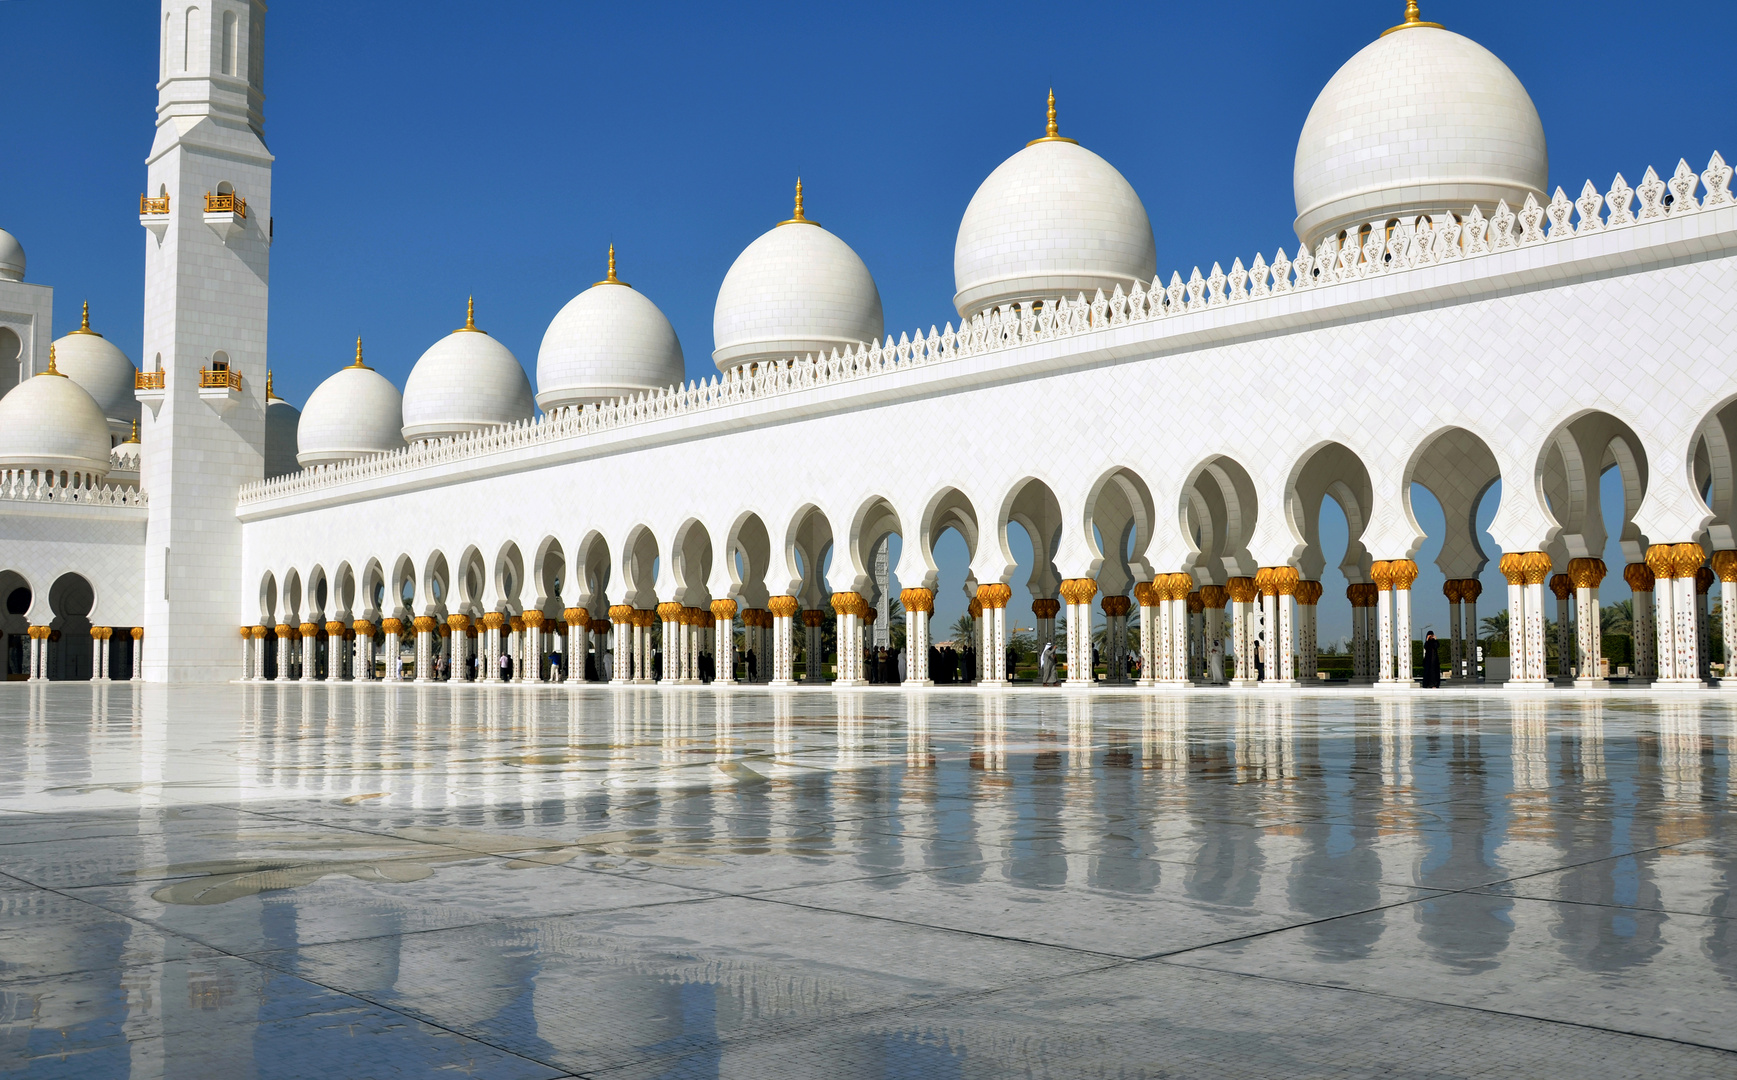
{"points": [[1431, 661], [1046, 665]]}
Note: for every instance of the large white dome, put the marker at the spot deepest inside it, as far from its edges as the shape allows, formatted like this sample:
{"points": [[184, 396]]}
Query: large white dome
{"points": [[1421, 121], [797, 289], [466, 381], [51, 423], [96, 364], [281, 421], [11, 257], [1053, 220], [354, 413], [607, 342]]}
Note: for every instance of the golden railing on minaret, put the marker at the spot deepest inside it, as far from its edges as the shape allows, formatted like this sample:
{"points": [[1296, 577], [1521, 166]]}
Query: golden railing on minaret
{"points": [[148, 380], [225, 203], [148, 205], [219, 379]]}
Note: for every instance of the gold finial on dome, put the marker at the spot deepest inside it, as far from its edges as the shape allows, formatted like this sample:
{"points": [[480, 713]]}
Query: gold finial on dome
{"points": [[135, 436], [84, 324], [358, 362], [797, 217], [1051, 132], [270, 394], [52, 370], [470, 318], [610, 278], [1413, 17]]}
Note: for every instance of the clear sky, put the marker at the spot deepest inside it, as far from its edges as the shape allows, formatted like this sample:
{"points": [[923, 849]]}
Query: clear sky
{"points": [[433, 149]]}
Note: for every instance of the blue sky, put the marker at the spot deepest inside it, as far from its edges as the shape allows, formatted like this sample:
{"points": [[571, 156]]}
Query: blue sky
{"points": [[427, 151]]}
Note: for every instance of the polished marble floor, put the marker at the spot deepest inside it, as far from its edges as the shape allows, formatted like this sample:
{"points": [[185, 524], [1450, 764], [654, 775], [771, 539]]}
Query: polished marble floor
{"points": [[333, 882]]}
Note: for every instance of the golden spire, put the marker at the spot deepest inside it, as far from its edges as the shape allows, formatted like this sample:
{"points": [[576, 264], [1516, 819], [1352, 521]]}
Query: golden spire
{"points": [[1052, 133], [610, 278], [469, 318], [797, 218], [84, 326], [52, 370], [358, 362], [135, 436], [1412, 18]]}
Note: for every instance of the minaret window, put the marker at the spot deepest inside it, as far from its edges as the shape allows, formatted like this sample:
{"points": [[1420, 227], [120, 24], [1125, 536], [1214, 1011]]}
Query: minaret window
{"points": [[187, 38], [229, 42]]}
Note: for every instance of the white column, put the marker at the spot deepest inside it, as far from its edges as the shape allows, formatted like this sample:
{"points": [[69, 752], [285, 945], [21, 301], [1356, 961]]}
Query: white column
{"points": [[783, 659], [1154, 634], [918, 603], [724, 642], [1402, 631], [362, 670], [1688, 630], [672, 643], [1269, 635], [393, 628], [1384, 634], [1564, 618], [1078, 593], [1311, 646], [423, 665], [282, 645], [1535, 655], [309, 644], [1286, 660], [1456, 647], [1180, 674], [1516, 627], [1359, 634], [1472, 589], [1703, 650], [1728, 618]]}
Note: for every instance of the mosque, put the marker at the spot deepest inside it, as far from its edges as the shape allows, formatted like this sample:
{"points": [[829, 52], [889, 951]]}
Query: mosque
{"points": [[1165, 436]]}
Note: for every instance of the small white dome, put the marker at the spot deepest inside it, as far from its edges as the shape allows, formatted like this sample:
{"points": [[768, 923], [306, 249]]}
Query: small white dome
{"points": [[96, 364], [607, 342], [1053, 220], [51, 423], [354, 413], [797, 289], [11, 257], [466, 381], [281, 421], [1421, 121]]}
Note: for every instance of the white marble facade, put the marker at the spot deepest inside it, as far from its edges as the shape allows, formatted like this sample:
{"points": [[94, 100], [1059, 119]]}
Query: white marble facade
{"points": [[1470, 326]]}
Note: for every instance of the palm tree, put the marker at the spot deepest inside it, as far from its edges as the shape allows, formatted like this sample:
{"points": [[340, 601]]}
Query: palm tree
{"points": [[965, 632], [1495, 628]]}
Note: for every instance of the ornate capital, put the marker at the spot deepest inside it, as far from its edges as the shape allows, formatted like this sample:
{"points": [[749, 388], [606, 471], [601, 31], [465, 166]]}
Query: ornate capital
{"points": [[1661, 561], [1535, 565], [724, 609], [1586, 573], [259, 632], [1686, 559], [1509, 565], [458, 622], [644, 616], [1704, 578], [845, 603], [392, 626], [1146, 593], [1196, 603], [334, 628], [576, 616], [1263, 580], [309, 629], [1471, 588], [1079, 590], [1115, 606], [1451, 589], [532, 618], [1308, 592], [517, 624], [1561, 586], [1046, 607], [1214, 596], [693, 616], [669, 611], [138, 633], [1638, 576], [1241, 589], [783, 607], [363, 628], [1725, 564], [917, 599], [619, 614], [1404, 573], [1284, 580], [974, 609], [283, 630], [1381, 572], [994, 595], [813, 617]]}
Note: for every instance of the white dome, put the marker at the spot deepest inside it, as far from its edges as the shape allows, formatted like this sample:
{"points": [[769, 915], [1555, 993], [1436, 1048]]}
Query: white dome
{"points": [[354, 413], [607, 342], [11, 257], [1053, 220], [52, 423], [96, 364], [281, 421], [1421, 121], [797, 289], [464, 382]]}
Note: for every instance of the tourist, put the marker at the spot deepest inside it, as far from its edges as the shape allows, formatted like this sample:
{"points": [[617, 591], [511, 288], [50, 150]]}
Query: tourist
{"points": [[1431, 661], [1046, 665]]}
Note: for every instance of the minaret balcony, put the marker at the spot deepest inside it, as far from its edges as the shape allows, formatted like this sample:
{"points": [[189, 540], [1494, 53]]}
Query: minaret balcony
{"points": [[148, 388], [220, 388], [226, 213], [154, 215]]}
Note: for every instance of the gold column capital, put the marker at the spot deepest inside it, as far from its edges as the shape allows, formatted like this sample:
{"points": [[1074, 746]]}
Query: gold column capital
{"points": [[994, 595], [917, 599], [783, 607], [1079, 590], [724, 609]]}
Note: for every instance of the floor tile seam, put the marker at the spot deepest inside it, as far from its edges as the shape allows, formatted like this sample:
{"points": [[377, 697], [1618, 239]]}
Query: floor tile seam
{"points": [[257, 955], [67, 892], [1429, 894], [1460, 1006], [1564, 866], [755, 893], [1117, 957], [1485, 891]]}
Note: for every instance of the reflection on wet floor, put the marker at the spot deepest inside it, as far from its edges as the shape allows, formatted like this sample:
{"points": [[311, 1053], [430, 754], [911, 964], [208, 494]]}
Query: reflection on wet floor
{"points": [[371, 880]]}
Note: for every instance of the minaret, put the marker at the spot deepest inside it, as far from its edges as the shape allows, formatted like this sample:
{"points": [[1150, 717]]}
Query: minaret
{"points": [[207, 268]]}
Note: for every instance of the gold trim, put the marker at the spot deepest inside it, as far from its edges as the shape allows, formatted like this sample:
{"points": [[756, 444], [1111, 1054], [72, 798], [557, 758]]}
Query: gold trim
{"points": [[797, 218], [610, 278], [135, 436], [1050, 131], [270, 394], [1412, 18], [358, 363], [51, 369]]}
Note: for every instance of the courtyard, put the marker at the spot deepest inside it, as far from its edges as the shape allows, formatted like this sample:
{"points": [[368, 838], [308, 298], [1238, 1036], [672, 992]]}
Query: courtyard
{"points": [[403, 881]]}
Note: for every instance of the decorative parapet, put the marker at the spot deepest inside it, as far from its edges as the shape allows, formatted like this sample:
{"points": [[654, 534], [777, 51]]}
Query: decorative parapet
{"points": [[148, 380], [158, 205], [225, 202], [213, 378], [1374, 251], [28, 485]]}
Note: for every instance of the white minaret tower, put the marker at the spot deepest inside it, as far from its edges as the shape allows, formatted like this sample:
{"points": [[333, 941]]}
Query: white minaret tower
{"points": [[206, 274]]}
